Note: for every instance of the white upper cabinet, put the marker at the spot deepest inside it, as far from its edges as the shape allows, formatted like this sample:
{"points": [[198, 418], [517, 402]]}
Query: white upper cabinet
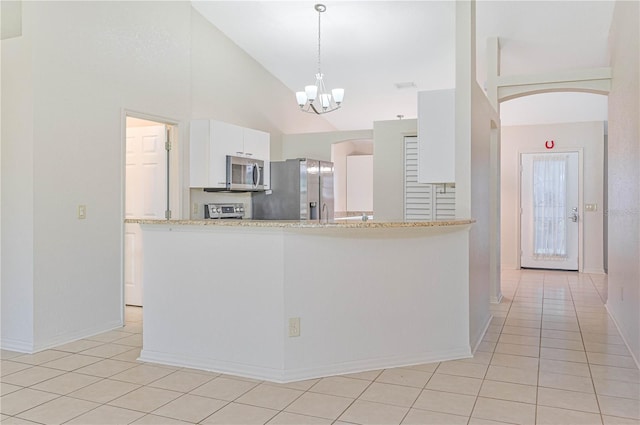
{"points": [[211, 142], [436, 136]]}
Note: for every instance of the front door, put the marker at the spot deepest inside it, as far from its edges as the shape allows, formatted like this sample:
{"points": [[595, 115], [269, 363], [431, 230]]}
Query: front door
{"points": [[549, 211], [145, 198]]}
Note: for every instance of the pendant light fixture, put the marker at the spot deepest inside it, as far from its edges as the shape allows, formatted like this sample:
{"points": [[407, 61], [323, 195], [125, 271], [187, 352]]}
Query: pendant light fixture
{"points": [[315, 98]]}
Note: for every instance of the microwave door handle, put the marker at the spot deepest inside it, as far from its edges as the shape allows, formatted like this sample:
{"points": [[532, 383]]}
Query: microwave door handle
{"points": [[256, 175]]}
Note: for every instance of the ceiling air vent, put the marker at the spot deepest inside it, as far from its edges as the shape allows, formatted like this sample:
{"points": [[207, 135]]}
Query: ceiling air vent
{"points": [[406, 85]]}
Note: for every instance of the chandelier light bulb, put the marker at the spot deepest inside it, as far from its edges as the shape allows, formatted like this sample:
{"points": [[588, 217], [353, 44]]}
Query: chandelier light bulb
{"points": [[311, 92], [338, 95], [316, 98], [301, 97], [325, 100]]}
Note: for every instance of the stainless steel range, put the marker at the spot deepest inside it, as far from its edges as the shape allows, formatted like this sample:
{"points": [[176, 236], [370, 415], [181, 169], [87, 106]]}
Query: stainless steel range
{"points": [[223, 210]]}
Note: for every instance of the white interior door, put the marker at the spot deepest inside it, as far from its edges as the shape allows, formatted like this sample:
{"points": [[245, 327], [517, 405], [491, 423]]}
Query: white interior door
{"points": [[145, 197], [549, 211]]}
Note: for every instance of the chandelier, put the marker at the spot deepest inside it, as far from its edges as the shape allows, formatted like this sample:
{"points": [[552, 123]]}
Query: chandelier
{"points": [[315, 98]]}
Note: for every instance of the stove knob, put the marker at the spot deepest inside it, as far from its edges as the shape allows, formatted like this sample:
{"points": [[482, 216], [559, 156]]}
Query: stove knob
{"points": [[241, 209]]}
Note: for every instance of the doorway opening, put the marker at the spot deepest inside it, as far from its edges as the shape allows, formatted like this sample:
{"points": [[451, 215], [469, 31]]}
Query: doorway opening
{"points": [[546, 129], [150, 191], [353, 178]]}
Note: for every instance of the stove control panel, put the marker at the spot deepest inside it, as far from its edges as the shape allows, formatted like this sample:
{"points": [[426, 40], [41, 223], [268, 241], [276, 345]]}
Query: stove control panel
{"points": [[224, 211]]}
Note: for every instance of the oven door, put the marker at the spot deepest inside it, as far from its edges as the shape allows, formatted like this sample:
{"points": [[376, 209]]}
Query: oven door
{"points": [[245, 174]]}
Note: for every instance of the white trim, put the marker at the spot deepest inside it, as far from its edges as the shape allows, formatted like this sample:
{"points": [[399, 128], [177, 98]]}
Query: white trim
{"points": [[496, 300], [585, 74], [594, 271], [175, 178], [475, 342], [27, 347], [615, 322], [593, 80], [284, 376], [17, 345]]}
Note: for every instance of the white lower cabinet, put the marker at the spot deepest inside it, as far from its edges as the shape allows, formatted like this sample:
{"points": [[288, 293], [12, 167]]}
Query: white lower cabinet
{"points": [[210, 143]]}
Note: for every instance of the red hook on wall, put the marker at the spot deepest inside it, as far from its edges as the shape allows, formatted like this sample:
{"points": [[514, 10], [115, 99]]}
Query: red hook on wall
{"points": [[549, 144]]}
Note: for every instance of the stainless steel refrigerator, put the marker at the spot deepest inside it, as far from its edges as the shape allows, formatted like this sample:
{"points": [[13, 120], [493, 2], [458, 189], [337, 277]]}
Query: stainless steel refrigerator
{"points": [[301, 189]]}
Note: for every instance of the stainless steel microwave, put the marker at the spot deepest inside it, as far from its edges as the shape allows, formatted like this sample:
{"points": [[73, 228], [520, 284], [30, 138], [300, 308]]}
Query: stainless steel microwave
{"points": [[245, 174]]}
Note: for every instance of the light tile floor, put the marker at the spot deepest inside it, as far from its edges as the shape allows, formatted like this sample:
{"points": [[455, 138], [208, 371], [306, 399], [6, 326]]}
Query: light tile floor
{"points": [[551, 356]]}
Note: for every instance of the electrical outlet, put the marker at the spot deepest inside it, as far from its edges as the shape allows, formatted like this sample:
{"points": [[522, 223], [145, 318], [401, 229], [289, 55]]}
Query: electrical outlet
{"points": [[294, 326], [591, 207], [82, 212]]}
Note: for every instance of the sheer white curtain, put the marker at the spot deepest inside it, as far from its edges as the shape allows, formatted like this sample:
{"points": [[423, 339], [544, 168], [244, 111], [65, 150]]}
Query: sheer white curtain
{"points": [[550, 206]]}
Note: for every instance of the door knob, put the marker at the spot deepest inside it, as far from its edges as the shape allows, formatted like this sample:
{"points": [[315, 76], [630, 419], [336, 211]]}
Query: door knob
{"points": [[574, 214]]}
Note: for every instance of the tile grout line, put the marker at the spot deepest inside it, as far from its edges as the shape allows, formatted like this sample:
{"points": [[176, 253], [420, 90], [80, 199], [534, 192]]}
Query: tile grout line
{"points": [[585, 354], [580, 298]]}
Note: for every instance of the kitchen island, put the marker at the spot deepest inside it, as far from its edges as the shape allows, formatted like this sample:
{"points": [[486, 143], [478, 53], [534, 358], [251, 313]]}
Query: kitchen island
{"points": [[289, 300]]}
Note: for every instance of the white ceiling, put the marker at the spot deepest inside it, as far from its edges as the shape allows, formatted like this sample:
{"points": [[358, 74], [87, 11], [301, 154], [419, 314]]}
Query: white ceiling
{"points": [[369, 46]]}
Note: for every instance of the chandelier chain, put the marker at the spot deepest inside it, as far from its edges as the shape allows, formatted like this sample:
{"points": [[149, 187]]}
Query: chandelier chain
{"points": [[319, 16]]}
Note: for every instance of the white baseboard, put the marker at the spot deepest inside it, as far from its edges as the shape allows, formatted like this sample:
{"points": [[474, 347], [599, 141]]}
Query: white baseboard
{"points": [[284, 376], [496, 299], [593, 271], [30, 347], [17, 345], [624, 339], [477, 339]]}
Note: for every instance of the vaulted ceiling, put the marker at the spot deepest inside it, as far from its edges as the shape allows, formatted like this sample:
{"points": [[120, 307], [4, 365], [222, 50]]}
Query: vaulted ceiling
{"points": [[370, 47]]}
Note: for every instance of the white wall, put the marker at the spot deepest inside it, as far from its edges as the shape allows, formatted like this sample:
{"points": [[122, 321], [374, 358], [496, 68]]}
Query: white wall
{"points": [[17, 194], [588, 136], [481, 240], [84, 74], [70, 85], [553, 108], [388, 167], [317, 145], [242, 328], [473, 120], [624, 176]]}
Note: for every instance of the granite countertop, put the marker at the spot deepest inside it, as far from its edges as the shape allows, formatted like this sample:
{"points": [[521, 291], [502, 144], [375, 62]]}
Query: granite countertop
{"points": [[305, 224]]}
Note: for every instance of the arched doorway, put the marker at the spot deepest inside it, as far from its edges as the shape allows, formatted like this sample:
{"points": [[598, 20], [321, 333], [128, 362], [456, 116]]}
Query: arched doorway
{"points": [[556, 120]]}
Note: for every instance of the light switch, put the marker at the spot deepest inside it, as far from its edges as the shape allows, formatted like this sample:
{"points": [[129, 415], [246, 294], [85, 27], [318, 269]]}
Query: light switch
{"points": [[82, 212], [590, 207]]}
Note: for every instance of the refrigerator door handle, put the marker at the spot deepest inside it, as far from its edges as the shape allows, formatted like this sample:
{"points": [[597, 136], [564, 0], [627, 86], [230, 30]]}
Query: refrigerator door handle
{"points": [[313, 211]]}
